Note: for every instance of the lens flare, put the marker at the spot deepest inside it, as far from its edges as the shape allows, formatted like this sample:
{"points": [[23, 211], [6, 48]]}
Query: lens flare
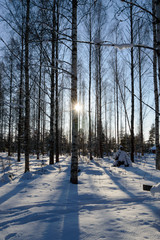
{"points": [[78, 107]]}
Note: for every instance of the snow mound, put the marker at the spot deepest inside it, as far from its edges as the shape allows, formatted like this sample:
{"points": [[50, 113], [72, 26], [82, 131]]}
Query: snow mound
{"points": [[26, 176], [44, 170], [155, 189], [6, 178]]}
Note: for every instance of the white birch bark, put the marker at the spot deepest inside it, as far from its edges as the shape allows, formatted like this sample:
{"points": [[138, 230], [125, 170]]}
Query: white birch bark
{"points": [[27, 100], [132, 86], [157, 100], [52, 88], [74, 158]]}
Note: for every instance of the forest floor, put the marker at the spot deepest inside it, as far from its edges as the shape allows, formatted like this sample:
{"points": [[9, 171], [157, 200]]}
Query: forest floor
{"points": [[107, 203]]}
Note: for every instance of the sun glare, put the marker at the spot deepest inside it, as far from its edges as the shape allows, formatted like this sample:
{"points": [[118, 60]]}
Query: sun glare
{"points": [[78, 107]]}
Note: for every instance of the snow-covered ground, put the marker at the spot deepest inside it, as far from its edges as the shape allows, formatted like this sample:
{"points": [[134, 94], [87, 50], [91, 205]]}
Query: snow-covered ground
{"points": [[108, 203]]}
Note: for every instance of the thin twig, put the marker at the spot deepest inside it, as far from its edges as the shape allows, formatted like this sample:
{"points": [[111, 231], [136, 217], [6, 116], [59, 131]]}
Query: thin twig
{"points": [[142, 101]]}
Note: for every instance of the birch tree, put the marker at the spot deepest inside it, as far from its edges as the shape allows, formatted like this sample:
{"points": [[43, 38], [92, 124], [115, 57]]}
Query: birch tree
{"points": [[90, 82], [20, 117], [10, 60], [156, 3], [74, 157], [52, 105], [140, 88], [57, 94], [132, 85], [2, 108], [155, 13], [27, 90]]}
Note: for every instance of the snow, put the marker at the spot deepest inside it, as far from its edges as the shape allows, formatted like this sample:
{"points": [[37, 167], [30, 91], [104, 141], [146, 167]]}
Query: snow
{"points": [[108, 203], [123, 46], [155, 189]]}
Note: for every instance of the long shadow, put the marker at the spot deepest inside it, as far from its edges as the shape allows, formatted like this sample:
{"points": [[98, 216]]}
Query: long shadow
{"points": [[24, 183], [116, 181], [14, 191], [71, 218], [67, 226], [134, 198], [141, 172], [60, 216], [120, 185], [23, 215]]}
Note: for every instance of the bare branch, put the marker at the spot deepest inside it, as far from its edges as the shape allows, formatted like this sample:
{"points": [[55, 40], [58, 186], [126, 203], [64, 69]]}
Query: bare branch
{"points": [[143, 101], [142, 8]]}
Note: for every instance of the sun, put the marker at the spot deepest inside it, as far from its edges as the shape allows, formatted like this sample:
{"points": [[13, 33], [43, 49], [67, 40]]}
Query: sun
{"points": [[78, 107]]}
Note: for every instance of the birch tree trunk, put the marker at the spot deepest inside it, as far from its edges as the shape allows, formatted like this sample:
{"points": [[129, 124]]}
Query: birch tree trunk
{"points": [[43, 114], [10, 105], [62, 119], [140, 92], [57, 99], [27, 92], [96, 108], [39, 99], [156, 90], [90, 78], [20, 98], [100, 106], [132, 86], [1, 112], [140, 97], [117, 92], [98, 61], [52, 89], [98, 101], [106, 124], [74, 158]]}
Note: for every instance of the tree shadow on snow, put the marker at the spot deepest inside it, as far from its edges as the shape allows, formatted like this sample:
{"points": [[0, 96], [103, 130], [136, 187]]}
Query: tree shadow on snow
{"points": [[71, 217], [59, 217], [139, 199]]}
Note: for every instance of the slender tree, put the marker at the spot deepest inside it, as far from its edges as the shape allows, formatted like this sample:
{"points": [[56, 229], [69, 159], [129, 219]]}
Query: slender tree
{"points": [[27, 90], [20, 117], [2, 109], [132, 84], [98, 73], [74, 157], [52, 86], [156, 39], [90, 81], [10, 103], [39, 100], [57, 94], [140, 90]]}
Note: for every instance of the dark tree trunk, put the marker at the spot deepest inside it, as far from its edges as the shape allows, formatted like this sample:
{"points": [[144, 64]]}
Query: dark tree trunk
{"points": [[74, 158], [20, 102], [140, 93], [90, 82], [52, 89], [27, 92], [39, 101], [132, 86], [10, 107], [57, 98], [156, 44]]}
